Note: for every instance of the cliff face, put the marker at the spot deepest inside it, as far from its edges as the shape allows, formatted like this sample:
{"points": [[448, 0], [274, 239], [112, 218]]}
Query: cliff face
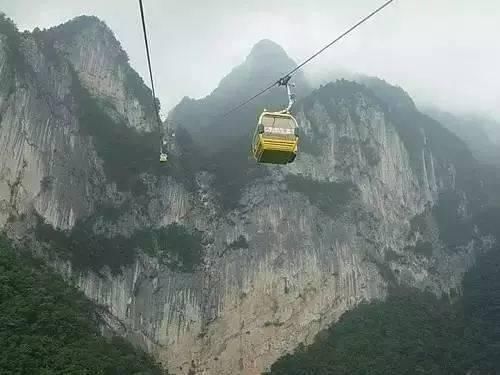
{"points": [[38, 137], [213, 263], [49, 157]]}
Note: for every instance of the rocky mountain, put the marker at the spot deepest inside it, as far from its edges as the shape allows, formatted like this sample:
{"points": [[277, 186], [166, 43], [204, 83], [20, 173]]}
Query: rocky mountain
{"points": [[212, 263], [47, 326], [414, 332], [265, 62]]}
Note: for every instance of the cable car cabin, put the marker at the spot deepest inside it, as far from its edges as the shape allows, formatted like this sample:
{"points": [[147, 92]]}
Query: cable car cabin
{"points": [[276, 138]]}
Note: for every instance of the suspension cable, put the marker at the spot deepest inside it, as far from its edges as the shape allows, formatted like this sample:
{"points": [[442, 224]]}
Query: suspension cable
{"points": [[287, 76], [155, 105]]}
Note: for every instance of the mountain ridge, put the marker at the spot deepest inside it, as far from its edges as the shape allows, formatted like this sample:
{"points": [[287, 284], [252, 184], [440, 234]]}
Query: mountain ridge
{"points": [[265, 64], [477, 131], [214, 263]]}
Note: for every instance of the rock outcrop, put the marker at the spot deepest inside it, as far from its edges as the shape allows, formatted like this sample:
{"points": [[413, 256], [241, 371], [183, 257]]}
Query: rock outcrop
{"points": [[285, 250]]}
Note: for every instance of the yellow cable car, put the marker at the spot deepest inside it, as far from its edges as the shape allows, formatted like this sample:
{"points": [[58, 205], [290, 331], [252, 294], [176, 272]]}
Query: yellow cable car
{"points": [[276, 137]]}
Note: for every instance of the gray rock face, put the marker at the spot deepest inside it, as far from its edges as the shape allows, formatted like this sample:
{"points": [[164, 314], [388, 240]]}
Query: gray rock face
{"points": [[43, 160], [307, 255]]}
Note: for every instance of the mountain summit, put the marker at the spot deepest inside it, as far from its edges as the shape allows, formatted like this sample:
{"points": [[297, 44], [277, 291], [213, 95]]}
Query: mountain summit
{"points": [[266, 63], [267, 54]]}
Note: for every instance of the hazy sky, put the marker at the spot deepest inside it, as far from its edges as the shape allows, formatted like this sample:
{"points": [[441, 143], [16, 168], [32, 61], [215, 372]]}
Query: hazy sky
{"points": [[445, 52]]}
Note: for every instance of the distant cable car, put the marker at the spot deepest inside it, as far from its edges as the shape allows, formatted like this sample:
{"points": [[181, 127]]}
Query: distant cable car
{"points": [[163, 153], [276, 137]]}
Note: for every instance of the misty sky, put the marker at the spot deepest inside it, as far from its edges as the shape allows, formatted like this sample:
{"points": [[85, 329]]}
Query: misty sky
{"points": [[444, 52]]}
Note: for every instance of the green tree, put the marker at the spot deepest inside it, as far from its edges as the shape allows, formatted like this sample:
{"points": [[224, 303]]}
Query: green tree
{"points": [[48, 327], [412, 333]]}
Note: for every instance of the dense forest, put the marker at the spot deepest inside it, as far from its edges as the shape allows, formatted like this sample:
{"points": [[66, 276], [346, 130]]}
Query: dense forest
{"points": [[48, 327], [412, 332]]}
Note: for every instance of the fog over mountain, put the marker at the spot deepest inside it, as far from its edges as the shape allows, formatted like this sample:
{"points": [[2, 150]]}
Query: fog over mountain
{"points": [[382, 236], [442, 52]]}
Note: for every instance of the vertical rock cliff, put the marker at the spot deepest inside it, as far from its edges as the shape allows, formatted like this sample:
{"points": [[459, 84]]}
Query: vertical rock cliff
{"points": [[214, 264]]}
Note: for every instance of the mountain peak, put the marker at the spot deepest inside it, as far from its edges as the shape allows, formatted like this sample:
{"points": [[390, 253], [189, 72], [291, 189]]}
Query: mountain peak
{"points": [[266, 49], [267, 46], [90, 29], [80, 25]]}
